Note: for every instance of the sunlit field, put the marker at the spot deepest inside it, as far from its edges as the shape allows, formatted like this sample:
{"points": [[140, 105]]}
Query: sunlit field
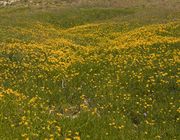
{"points": [[89, 74]]}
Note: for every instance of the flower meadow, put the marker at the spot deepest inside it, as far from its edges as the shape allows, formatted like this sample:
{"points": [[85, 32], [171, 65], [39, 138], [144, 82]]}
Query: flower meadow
{"points": [[97, 80]]}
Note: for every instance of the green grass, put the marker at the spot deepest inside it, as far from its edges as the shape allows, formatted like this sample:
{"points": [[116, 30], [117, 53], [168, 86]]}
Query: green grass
{"points": [[93, 73]]}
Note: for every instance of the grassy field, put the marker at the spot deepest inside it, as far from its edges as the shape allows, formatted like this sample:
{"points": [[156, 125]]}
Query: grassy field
{"points": [[89, 73]]}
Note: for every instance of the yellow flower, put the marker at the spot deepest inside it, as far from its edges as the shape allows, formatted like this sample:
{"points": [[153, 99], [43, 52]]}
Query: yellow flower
{"points": [[68, 139], [77, 138]]}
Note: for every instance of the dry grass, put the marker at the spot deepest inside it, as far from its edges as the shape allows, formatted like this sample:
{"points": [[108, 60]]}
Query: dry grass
{"points": [[168, 4]]}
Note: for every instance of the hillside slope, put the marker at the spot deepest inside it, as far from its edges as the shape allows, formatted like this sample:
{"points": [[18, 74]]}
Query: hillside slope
{"points": [[73, 74]]}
